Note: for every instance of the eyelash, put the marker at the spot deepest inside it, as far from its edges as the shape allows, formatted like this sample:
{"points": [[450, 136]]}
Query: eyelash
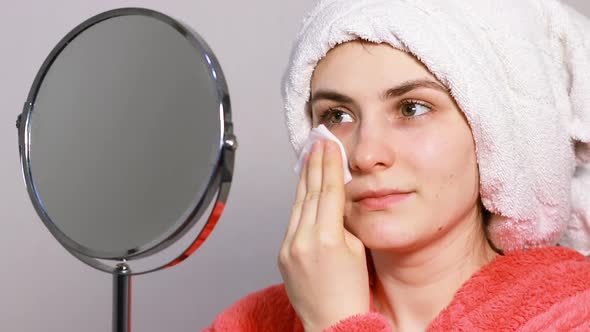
{"points": [[324, 116]]}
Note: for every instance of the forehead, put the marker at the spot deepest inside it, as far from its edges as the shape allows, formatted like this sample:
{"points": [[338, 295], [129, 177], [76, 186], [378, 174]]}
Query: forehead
{"points": [[358, 63]]}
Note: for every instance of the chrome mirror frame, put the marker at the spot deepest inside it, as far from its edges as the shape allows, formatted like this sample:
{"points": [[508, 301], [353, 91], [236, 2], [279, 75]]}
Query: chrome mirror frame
{"points": [[220, 179]]}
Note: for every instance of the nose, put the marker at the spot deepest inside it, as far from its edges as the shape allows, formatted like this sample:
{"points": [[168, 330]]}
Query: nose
{"points": [[372, 148]]}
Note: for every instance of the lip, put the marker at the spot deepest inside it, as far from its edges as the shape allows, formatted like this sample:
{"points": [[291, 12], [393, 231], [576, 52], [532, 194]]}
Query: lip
{"points": [[381, 199]]}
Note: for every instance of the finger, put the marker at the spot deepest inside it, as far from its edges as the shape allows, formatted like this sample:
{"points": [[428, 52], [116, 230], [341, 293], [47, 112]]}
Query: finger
{"points": [[313, 189], [353, 242], [330, 217], [298, 202]]}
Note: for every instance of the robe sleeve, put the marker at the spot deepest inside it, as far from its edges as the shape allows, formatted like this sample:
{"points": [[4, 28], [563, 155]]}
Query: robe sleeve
{"points": [[265, 310]]}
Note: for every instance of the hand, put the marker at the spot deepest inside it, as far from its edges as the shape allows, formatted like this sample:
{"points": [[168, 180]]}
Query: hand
{"points": [[323, 265]]}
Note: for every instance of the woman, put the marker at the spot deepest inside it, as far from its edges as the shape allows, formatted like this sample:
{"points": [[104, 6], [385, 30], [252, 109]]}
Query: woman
{"points": [[467, 132]]}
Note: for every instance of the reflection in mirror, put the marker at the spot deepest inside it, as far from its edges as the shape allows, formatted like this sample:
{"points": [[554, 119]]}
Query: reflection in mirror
{"points": [[125, 133]]}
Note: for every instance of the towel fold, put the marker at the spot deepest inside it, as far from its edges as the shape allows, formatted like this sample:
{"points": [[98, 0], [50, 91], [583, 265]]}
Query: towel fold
{"points": [[520, 72]]}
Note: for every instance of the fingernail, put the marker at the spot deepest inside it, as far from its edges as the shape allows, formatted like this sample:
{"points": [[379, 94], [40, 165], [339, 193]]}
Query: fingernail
{"points": [[317, 146]]}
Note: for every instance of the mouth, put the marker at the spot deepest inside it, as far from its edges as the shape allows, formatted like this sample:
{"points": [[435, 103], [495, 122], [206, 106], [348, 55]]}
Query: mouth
{"points": [[382, 199]]}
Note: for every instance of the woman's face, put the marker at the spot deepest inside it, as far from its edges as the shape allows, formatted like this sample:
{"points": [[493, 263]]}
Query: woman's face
{"points": [[402, 132]]}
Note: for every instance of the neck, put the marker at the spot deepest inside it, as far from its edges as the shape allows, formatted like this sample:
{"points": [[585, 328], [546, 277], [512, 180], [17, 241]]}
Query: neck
{"points": [[413, 287]]}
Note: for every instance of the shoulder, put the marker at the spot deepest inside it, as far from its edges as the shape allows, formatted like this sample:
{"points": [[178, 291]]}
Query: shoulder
{"points": [[267, 309], [524, 288], [560, 271], [559, 292], [542, 273]]}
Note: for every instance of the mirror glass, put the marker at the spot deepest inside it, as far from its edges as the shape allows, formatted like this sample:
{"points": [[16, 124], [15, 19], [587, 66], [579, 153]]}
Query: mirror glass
{"points": [[124, 136]]}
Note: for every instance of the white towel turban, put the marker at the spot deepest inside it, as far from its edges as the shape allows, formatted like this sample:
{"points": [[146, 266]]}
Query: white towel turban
{"points": [[520, 72]]}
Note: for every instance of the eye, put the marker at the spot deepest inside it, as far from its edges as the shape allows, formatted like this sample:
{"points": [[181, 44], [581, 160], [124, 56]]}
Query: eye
{"points": [[334, 116], [413, 108]]}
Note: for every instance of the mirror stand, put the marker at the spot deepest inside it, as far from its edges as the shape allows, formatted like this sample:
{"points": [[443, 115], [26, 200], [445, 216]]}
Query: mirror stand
{"points": [[122, 298]]}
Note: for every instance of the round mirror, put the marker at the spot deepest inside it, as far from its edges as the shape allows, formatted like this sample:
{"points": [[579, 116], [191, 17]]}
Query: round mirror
{"points": [[125, 139], [124, 131], [126, 135]]}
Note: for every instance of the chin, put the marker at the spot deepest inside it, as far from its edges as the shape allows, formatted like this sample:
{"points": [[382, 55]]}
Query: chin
{"points": [[396, 244], [390, 233]]}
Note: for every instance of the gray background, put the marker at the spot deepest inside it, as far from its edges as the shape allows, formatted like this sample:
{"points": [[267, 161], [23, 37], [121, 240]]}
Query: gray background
{"points": [[42, 288]]}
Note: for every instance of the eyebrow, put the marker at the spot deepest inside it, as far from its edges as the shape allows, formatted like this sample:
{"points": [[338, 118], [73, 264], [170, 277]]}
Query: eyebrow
{"points": [[396, 91]]}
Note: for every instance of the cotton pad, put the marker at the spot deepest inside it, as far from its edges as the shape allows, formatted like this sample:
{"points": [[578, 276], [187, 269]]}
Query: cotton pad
{"points": [[318, 133]]}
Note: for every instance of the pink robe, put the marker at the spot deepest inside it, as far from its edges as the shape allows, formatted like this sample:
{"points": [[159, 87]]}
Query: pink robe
{"points": [[544, 289]]}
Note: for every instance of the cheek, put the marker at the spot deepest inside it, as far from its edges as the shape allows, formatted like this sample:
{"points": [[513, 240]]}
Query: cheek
{"points": [[444, 162]]}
